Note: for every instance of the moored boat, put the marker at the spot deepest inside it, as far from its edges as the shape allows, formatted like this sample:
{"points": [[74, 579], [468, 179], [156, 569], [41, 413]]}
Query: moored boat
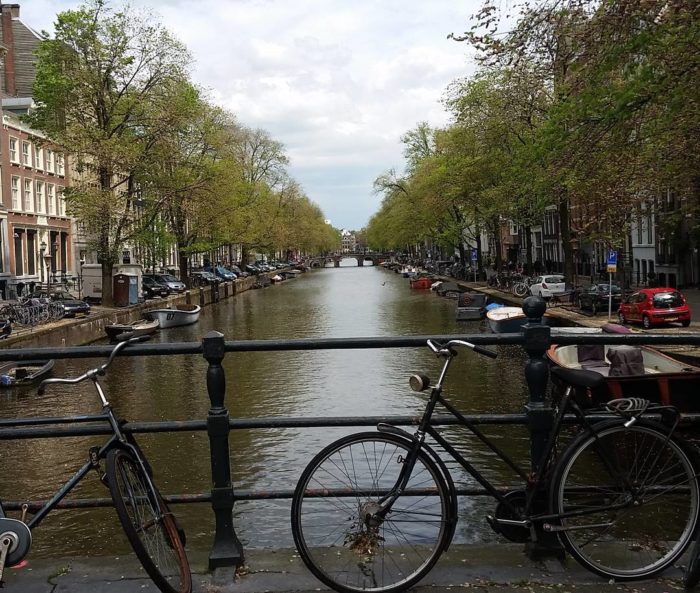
{"points": [[25, 372], [471, 305], [175, 316], [423, 283], [633, 371], [450, 290], [507, 320], [141, 327]]}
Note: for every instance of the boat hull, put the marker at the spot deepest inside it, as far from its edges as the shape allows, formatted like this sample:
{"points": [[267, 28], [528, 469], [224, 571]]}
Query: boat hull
{"points": [[26, 372], [175, 317], [422, 283], [142, 327], [509, 320], [646, 373]]}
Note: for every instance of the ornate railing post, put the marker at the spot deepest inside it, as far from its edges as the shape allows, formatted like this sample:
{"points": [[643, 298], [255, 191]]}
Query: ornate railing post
{"points": [[227, 549], [539, 411]]}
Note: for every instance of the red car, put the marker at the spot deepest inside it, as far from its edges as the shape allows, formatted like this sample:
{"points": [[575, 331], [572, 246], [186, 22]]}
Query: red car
{"points": [[655, 306]]}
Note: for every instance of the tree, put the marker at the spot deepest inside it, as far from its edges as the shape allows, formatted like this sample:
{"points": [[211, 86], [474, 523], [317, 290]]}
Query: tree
{"points": [[102, 89]]}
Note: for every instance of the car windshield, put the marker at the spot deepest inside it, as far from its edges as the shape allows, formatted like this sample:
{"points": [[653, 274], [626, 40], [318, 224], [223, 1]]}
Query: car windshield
{"points": [[667, 300], [169, 278], [604, 288]]}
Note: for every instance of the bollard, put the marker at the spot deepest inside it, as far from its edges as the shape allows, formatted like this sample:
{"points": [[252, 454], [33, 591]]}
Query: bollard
{"points": [[188, 298], [227, 549], [540, 415]]}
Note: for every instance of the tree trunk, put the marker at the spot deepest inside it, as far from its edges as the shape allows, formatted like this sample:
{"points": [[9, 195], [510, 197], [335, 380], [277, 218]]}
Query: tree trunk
{"points": [[183, 261], [565, 233], [107, 294], [528, 250]]}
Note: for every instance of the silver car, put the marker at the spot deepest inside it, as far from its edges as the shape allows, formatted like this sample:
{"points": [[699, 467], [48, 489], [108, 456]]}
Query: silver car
{"points": [[170, 281]]}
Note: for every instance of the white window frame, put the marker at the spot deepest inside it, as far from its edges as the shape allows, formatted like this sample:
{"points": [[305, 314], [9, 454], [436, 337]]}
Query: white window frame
{"points": [[14, 150], [28, 194], [51, 197], [49, 160], [39, 193], [15, 190], [60, 164], [38, 158], [27, 160], [61, 201]]}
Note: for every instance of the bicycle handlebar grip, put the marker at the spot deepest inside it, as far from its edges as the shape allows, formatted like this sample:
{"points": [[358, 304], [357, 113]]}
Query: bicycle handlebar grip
{"points": [[485, 352]]}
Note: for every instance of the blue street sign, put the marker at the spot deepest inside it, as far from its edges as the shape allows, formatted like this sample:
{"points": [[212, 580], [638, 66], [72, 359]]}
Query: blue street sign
{"points": [[474, 255], [612, 257]]}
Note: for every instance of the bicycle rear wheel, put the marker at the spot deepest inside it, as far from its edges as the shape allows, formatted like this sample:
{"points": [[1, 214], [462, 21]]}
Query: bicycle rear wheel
{"points": [[148, 523], [334, 498], [627, 500]]}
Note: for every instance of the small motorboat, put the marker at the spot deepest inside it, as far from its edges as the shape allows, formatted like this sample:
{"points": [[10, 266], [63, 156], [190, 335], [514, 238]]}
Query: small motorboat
{"points": [[450, 290], [632, 371], [508, 320], [26, 372], [142, 327], [422, 282], [471, 305], [175, 316]]}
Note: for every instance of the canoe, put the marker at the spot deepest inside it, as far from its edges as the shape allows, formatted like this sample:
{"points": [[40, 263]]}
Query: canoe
{"points": [[508, 320], [141, 327], [633, 371], [26, 372], [471, 305], [175, 316]]}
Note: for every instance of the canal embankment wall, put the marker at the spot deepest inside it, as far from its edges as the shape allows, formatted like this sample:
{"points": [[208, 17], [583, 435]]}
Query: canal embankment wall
{"points": [[83, 330]]}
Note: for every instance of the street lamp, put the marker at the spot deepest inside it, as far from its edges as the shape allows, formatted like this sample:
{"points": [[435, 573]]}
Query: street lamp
{"points": [[47, 261], [42, 250], [80, 278]]}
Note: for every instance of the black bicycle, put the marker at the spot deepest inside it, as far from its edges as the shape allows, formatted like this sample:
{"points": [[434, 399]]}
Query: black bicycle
{"points": [[149, 524], [374, 511]]}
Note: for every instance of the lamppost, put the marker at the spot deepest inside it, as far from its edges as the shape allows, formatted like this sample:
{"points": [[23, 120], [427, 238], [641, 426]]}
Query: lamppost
{"points": [[80, 278]]}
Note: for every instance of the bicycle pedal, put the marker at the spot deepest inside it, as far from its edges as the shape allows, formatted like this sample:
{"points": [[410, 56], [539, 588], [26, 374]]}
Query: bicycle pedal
{"points": [[491, 520]]}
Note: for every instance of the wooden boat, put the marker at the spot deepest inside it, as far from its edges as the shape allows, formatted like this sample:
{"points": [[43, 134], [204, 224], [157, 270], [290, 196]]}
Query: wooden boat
{"points": [[26, 372], [471, 305], [633, 371], [507, 320], [423, 283], [176, 316], [141, 327], [450, 290]]}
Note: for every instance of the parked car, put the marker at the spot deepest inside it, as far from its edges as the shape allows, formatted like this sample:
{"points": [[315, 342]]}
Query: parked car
{"points": [[251, 269], [655, 306], [546, 286], [151, 289], [173, 284], [71, 306], [238, 272], [224, 273], [595, 297], [204, 278]]}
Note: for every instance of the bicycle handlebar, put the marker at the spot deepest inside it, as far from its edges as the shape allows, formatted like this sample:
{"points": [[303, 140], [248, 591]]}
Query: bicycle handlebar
{"points": [[441, 349], [92, 373]]}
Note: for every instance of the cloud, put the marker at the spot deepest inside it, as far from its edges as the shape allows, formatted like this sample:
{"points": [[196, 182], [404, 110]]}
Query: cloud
{"points": [[337, 83]]}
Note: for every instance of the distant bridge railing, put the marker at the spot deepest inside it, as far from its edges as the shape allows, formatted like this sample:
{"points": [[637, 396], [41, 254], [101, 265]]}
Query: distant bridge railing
{"points": [[226, 548]]}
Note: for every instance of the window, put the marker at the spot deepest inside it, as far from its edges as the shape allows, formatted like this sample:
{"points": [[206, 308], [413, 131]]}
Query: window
{"points": [[650, 230], [49, 160], [14, 158], [38, 158], [61, 201], [15, 193], [28, 195], [19, 252], [40, 207], [26, 154], [60, 165], [51, 197]]}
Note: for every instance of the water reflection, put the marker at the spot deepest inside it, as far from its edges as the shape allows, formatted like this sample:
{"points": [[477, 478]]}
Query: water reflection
{"points": [[349, 301]]}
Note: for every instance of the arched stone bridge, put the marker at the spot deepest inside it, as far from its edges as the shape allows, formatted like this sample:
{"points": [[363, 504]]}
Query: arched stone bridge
{"points": [[361, 258]]}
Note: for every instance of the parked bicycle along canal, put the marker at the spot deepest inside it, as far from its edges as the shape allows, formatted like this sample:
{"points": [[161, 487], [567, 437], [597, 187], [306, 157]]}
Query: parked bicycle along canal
{"points": [[348, 301]]}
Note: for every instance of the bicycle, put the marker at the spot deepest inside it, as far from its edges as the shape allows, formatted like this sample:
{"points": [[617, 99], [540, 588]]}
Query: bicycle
{"points": [[148, 523], [374, 511]]}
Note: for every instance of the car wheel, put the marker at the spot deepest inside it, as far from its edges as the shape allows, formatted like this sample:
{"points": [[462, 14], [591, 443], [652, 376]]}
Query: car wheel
{"points": [[621, 318], [646, 322], [685, 322]]}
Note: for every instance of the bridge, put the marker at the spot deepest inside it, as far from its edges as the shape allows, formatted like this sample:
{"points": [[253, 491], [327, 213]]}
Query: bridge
{"points": [[360, 257]]}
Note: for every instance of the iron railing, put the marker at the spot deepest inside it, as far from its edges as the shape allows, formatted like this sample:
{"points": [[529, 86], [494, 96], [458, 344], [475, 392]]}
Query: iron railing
{"points": [[226, 548]]}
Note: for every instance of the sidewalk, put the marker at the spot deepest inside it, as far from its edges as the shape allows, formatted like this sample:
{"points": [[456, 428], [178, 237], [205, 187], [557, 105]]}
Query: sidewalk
{"points": [[483, 569]]}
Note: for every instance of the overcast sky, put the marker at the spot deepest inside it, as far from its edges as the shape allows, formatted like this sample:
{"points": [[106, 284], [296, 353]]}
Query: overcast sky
{"points": [[337, 82]]}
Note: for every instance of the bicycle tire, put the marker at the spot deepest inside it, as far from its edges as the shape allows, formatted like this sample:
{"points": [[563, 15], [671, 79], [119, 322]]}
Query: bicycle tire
{"points": [[692, 571], [649, 477], [521, 289], [148, 523], [344, 480]]}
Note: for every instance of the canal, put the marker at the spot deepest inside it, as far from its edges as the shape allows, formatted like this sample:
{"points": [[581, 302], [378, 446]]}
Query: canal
{"points": [[348, 301]]}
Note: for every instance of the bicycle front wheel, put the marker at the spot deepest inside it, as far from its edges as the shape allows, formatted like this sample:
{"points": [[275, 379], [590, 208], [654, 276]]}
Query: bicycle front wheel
{"points": [[626, 499], [148, 523], [333, 523]]}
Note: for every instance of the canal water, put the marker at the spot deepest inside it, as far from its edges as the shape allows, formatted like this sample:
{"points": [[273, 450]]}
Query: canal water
{"points": [[349, 301]]}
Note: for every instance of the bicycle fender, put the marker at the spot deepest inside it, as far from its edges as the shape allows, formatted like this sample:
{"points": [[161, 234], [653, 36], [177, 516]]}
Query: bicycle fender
{"points": [[445, 474]]}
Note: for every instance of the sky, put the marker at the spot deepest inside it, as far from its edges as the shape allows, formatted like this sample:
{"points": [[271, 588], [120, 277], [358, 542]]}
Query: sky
{"points": [[337, 82]]}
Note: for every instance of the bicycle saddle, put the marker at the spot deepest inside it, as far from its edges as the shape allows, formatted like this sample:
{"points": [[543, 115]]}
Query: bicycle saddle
{"points": [[579, 378]]}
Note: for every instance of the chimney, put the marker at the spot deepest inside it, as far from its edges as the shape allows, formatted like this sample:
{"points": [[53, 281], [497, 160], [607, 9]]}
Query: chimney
{"points": [[8, 12]]}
